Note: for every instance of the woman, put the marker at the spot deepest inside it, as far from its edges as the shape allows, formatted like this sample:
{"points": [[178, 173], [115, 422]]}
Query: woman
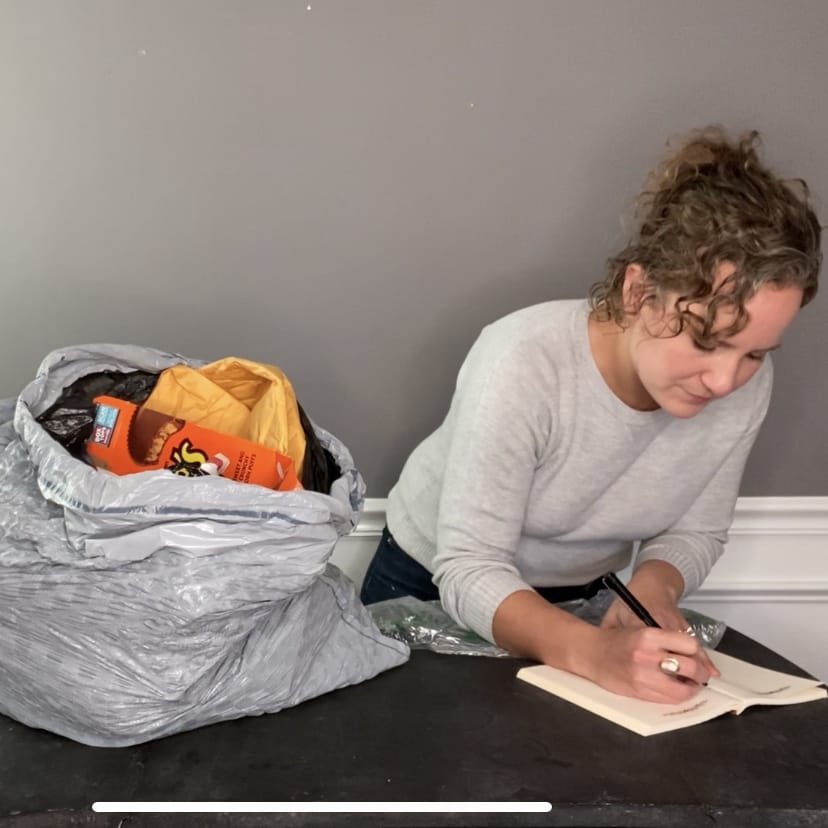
{"points": [[577, 428]]}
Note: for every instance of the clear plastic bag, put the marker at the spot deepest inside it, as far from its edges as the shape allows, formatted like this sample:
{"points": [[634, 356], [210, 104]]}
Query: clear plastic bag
{"points": [[425, 625], [708, 630]]}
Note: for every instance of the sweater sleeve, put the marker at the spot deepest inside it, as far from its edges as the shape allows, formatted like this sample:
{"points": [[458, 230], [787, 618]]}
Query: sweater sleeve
{"points": [[499, 426], [696, 541]]}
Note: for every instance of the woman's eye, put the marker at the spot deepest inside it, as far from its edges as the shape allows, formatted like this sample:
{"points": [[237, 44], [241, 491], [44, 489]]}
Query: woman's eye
{"points": [[756, 357]]}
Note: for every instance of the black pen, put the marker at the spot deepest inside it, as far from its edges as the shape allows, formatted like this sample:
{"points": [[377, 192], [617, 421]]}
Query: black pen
{"points": [[610, 581]]}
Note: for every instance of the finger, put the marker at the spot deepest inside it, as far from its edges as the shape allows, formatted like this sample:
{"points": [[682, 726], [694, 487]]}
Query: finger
{"points": [[670, 664], [684, 668], [623, 613], [707, 662], [618, 616], [610, 619], [670, 640], [676, 693], [671, 690], [701, 655]]}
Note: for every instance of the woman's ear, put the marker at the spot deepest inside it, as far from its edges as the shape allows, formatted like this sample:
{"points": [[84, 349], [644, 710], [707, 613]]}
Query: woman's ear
{"points": [[634, 288]]}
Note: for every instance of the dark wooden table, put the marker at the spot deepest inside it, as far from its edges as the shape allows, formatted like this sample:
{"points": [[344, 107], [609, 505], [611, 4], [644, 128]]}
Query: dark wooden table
{"points": [[442, 728]]}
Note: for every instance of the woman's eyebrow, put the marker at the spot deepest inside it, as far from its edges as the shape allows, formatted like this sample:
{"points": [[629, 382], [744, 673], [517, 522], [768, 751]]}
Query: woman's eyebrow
{"points": [[725, 344]]}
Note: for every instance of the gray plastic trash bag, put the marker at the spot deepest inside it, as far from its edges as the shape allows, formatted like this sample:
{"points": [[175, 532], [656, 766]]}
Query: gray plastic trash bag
{"points": [[138, 606]]}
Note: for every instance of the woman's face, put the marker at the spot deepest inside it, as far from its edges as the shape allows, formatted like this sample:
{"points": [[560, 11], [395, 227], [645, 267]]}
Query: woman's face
{"points": [[680, 377]]}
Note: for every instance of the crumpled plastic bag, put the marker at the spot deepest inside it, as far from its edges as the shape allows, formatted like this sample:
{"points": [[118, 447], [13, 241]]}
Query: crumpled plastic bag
{"points": [[425, 625], [71, 417], [139, 606]]}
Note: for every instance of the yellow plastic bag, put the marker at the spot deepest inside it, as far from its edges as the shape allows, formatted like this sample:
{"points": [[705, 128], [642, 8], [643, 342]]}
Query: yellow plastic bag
{"points": [[252, 400]]}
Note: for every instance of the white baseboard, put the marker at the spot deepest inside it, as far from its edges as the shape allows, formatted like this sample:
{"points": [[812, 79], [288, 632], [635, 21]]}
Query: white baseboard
{"points": [[771, 583]]}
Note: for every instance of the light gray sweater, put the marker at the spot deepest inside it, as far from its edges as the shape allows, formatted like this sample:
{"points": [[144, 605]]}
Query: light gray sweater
{"points": [[539, 475]]}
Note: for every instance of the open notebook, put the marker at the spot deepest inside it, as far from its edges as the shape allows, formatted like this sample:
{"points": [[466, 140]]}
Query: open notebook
{"points": [[741, 685]]}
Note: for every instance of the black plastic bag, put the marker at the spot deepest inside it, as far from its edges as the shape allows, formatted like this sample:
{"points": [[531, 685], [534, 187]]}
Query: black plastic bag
{"points": [[70, 419]]}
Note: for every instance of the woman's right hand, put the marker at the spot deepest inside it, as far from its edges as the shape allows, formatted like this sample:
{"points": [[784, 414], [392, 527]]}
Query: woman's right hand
{"points": [[628, 661], [623, 659]]}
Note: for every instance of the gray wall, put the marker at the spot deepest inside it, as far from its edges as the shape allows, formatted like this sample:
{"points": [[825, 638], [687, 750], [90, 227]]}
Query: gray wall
{"points": [[351, 190]]}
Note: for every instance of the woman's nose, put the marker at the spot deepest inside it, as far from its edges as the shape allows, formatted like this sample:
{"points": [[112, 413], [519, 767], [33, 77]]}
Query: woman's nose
{"points": [[721, 376]]}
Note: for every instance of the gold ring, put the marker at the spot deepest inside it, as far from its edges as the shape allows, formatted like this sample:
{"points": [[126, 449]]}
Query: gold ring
{"points": [[669, 664]]}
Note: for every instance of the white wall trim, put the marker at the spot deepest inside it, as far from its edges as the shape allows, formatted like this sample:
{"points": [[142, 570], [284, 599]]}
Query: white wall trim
{"points": [[779, 515], [754, 591], [776, 552], [373, 518]]}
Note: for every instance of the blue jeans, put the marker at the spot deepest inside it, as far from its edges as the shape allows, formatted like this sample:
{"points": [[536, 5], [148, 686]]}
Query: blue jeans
{"points": [[393, 573]]}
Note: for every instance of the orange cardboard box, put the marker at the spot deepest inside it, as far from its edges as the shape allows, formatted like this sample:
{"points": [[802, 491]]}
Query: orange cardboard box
{"points": [[128, 438]]}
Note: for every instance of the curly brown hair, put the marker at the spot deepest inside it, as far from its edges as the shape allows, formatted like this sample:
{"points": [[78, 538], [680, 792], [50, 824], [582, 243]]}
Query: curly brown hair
{"points": [[713, 201]]}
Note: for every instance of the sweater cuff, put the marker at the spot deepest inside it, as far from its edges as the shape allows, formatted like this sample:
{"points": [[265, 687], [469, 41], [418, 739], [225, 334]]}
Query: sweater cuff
{"points": [[692, 554], [473, 600]]}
